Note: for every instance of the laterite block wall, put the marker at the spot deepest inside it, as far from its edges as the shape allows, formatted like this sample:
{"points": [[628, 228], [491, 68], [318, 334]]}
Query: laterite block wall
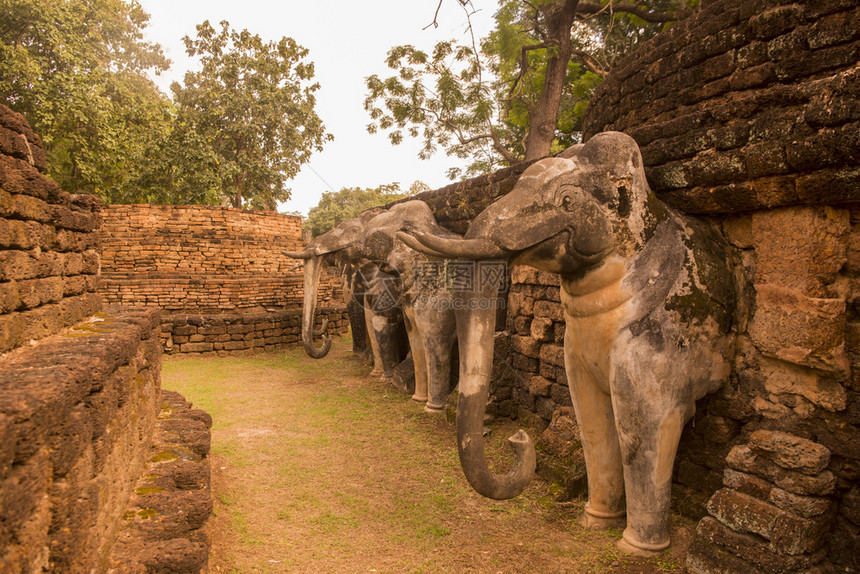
{"points": [[217, 273], [79, 386], [48, 252], [747, 115]]}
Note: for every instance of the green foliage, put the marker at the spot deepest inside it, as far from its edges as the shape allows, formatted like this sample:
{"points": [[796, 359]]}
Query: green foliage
{"points": [[349, 202], [477, 100], [76, 70], [245, 122], [240, 127]]}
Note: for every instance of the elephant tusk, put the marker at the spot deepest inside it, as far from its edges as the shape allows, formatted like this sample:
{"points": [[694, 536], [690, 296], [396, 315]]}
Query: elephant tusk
{"points": [[477, 249], [304, 254], [413, 243]]}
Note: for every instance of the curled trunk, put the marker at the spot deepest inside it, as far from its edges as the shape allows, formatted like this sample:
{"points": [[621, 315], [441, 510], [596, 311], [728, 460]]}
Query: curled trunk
{"points": [[475, 331], [312, 278]]}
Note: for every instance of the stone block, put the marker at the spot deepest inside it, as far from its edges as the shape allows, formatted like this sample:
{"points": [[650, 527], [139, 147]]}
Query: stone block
{"points": [[542, 329], [784, 378], [196, 347], [549, 310], [748, 484], [790, 452], [850, 506], [798, 329], [560, 395], [801, 248], [805, 506], [751, 548], [526, 345], [552, 354], [539, 386], [743, 459]]}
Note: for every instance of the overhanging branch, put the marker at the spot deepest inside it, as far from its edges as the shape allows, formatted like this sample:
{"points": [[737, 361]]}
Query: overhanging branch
{"points": [[654, 17]]}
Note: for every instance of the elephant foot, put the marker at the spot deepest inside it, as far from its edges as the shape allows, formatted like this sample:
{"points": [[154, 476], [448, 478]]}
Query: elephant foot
{"points": [[599, 519], [376, 373], [630, 545], [431, 408], [418, 398]]}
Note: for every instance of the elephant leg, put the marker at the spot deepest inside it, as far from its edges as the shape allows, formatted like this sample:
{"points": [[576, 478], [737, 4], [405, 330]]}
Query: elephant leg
{"points": [[596, 419], [439, 334], [649, 419], [374, 344], [418, 356]]}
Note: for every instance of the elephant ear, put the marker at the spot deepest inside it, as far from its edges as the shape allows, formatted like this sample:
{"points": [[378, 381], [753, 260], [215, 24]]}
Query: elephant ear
{"points": [[339, 238], [377, 245]]}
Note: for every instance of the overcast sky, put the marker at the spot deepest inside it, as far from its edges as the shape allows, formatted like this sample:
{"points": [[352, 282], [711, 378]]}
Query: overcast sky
{"points": [[348, 41]]}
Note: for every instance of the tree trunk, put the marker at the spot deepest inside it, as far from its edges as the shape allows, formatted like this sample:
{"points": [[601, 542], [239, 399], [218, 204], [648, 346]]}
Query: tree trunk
{"points": [[544, 114], [240, 188]]}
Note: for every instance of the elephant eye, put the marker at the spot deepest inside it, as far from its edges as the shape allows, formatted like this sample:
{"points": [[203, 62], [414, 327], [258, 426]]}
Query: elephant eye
{"points": [[567, 203]]}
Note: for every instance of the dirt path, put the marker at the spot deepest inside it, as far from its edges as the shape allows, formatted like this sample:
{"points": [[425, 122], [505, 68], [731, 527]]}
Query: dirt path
{"points": [[319, 468]]}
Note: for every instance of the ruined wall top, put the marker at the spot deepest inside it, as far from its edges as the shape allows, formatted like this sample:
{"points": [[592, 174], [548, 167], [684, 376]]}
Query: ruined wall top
{"points": [[48, 243], [744, 106]]}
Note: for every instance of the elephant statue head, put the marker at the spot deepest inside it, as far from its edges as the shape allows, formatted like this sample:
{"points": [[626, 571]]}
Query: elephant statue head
{"points": [[427, 313], [648, 297], [340, 240]]}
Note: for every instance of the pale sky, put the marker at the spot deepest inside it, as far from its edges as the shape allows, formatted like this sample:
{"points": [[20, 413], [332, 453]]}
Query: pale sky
{"points": [[348, 41]]}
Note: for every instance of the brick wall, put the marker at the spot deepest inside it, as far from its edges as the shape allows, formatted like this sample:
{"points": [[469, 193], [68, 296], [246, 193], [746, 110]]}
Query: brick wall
{"points": [[79, 386], [77, 413], [48, 251], [747, 115], [217, 273], [200, 259], [231, 333]]}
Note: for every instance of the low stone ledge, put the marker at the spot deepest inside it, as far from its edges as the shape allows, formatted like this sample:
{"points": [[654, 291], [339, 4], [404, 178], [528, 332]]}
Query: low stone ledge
{"points": [[164, 524], [77, 411], [243, 333]]}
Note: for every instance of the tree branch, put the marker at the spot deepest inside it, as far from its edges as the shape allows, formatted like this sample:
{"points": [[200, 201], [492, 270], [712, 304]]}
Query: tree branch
{"points": [[524, 66], [590, 62], [592, 8]]}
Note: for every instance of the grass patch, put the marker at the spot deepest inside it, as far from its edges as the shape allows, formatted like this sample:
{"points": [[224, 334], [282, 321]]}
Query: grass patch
{"points": [[319, 468]]}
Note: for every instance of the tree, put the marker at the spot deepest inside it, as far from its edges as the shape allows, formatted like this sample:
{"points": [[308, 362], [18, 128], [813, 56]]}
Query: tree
{"points": [[518, 94], [335, 207], [76, 70], [247, 118]]}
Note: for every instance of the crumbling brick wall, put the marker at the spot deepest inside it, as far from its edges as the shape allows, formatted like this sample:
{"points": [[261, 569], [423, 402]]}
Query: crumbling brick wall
{"points": [[747, 115], [218, 274], [48, 251], [79, 385]]}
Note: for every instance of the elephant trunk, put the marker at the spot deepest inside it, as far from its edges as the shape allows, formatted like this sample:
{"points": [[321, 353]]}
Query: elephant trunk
{"points": [[312, 278], [475, 332]]}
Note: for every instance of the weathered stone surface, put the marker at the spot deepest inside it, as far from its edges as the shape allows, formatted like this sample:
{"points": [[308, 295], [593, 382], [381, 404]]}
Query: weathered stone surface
{"points": [[802, 330], [542, 329], [791, 452], [787, 532], [801, 248], [751, 548], [783, 378], [164, 526], [805, 506], [68, 478], [743, 459]]}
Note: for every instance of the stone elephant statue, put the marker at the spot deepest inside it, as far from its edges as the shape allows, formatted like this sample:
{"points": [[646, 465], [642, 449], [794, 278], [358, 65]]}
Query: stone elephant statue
{"points": [[391, 273], [339, 245], [649, 302]]}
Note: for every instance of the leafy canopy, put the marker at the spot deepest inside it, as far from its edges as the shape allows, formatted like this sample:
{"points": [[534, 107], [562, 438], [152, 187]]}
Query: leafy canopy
{"points": [[76, 70], [349, 202], [245, 122], [520, 92]]}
